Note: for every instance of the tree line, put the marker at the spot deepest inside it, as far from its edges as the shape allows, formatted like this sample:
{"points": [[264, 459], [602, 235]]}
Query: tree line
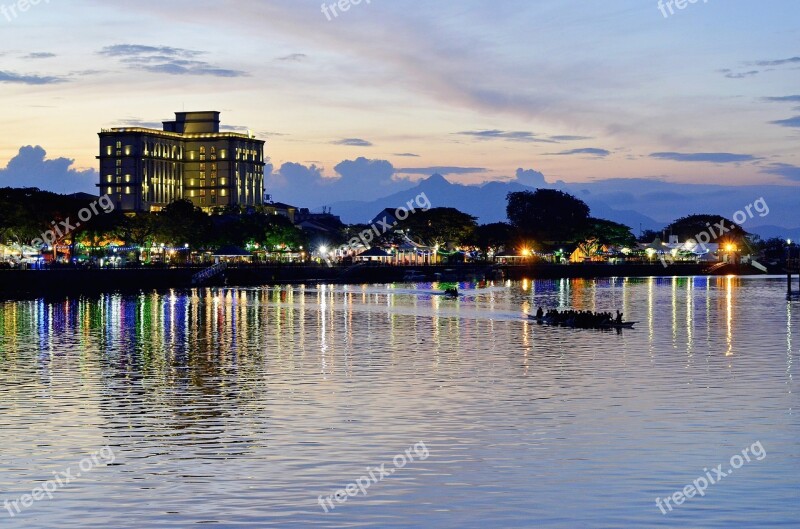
{"points": [[543, 220]]}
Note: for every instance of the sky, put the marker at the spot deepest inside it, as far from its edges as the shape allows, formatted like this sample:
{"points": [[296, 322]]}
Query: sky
{"points": [[360, 103]]}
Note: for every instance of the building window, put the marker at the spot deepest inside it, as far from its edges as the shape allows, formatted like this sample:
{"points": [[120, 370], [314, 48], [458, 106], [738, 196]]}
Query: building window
{"points": [[127, 190], [127, 178], [108, 150], [109, 179], [202, 149], [109, 190], [119, 145]]}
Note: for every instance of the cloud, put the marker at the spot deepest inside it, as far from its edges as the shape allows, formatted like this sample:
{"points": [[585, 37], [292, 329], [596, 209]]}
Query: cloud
{"points": [[30, 168], [353, 142], [570, 138], [182, 67], [730, 74], [167, 60], [294, 57], [779, 62], [12, 77], [783, 99], [359, 179], [444, 171], [704, 157], [407, 154], [364, 171], [602, 153], [293, 176], [790, 172], [134, 122], [791, 122], [137, 50], [519, 136], [39, 55], [530, 178]]}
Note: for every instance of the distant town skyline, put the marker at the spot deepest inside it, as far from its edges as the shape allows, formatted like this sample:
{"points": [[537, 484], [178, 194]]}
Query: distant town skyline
{"points": [[384, 94]]}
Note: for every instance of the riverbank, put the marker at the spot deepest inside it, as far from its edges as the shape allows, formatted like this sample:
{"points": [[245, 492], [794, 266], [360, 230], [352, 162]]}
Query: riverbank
{"points": [[67, 281]]}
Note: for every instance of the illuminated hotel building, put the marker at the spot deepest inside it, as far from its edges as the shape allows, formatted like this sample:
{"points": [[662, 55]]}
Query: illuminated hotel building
{"points": [[144, 169]]}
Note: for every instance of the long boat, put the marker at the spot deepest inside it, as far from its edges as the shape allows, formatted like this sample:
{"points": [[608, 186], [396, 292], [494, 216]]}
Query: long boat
{"points": [[612, 325]]}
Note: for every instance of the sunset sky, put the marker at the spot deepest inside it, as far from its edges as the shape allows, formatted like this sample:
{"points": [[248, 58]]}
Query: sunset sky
{"points": [[471, 89]]}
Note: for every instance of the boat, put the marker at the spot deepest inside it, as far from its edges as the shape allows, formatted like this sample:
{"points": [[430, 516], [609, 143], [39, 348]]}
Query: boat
{"points": [[451, 293], [612, 325]]}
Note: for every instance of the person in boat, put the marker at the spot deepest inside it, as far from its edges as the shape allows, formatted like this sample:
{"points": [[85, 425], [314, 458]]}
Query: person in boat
{"points": [[580, 318], [540, 313], [451, 292]]}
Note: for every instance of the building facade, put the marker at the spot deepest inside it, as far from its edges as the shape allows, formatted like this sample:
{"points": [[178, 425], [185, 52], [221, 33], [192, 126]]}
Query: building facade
{"points": [[144, 169]]}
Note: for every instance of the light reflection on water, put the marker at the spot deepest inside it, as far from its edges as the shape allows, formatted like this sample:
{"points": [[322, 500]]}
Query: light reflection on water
{"points": [[241, 406]]}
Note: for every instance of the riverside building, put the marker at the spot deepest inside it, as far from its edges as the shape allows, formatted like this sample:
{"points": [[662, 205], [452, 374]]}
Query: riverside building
{"points": [[145, 169]]}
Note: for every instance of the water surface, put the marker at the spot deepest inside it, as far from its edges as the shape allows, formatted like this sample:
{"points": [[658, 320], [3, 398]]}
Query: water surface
{"points": [[241, 407]]}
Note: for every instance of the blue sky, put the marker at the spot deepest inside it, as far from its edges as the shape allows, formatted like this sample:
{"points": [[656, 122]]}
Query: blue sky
{"points": [[392, 91]]}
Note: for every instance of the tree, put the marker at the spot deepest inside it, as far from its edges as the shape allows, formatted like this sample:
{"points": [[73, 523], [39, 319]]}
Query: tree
{"points": [[610, 233], [492, 238], [100, 230], [181, 222], [649, 236], [280, 231], [444, 227], [547, 215], [138, 230], [773, 249], [707, 228]]}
